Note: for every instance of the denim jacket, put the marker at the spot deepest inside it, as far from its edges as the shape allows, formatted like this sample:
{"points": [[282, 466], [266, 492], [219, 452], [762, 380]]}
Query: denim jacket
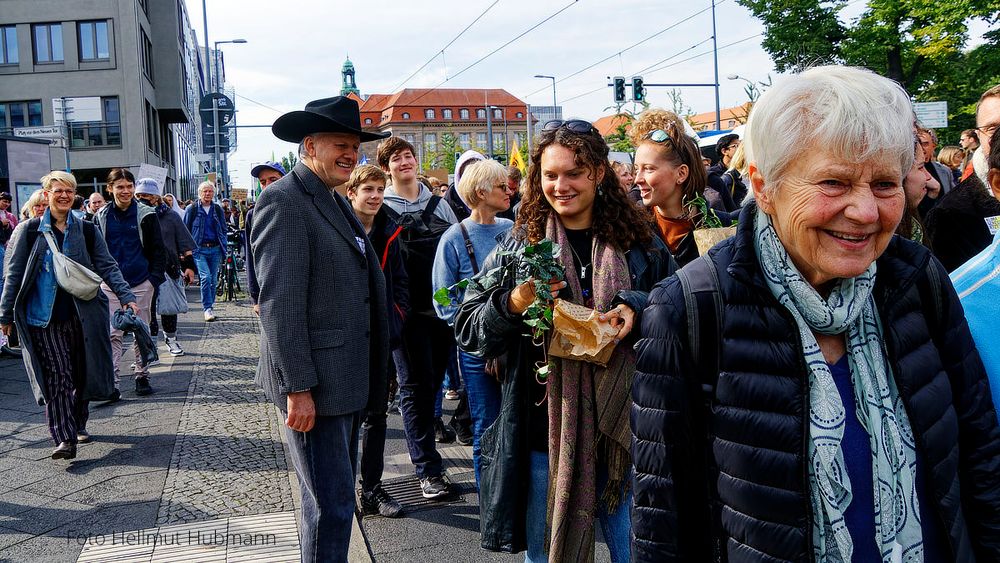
{"points": [[194, 219], [43, 297]]}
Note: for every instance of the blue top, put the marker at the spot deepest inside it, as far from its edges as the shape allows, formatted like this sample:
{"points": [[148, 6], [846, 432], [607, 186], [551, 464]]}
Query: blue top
{"points": [[977, 283], [206, 227], [860, 514], [125, 245], [452, 263], [47, 301], [211, 231]]}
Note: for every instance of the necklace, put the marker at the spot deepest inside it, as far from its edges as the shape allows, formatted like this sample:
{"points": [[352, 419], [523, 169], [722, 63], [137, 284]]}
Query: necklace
{"points": [[583, 267]]}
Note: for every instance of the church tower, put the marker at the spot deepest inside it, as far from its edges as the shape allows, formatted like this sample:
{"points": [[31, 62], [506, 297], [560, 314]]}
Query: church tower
{"points": [[348, 86]]}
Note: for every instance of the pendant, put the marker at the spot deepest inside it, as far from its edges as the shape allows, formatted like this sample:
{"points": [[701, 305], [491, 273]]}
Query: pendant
{"points": [[583, 272]]}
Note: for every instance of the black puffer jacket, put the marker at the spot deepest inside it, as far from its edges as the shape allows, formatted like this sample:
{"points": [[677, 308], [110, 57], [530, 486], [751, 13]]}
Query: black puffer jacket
{"points": [[484, 327], [755, 439], [956, 228]]}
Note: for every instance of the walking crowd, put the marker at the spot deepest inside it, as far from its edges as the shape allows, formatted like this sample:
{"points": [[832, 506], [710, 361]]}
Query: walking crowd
{"points": [[816, 382]]}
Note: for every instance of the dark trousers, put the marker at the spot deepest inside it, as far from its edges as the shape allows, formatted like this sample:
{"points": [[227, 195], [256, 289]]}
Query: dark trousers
{"points": [[324, 460], [428, 343], [60, 352], [373, 426]]}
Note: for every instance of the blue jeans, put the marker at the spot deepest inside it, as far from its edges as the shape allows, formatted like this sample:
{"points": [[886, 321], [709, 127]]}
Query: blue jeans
{"points": [[483, 392], [617, 526], [208, 261], [451, 381], [325, 461]]}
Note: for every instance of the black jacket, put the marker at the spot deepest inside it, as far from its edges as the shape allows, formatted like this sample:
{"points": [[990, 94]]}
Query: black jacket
{"points": [[484, 327], [754, 439], [728, 187], [385, 238], [956, 228]]}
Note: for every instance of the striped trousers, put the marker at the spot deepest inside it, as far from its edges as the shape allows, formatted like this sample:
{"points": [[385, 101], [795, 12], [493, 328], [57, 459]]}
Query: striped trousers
{"points": [[60, 352]]}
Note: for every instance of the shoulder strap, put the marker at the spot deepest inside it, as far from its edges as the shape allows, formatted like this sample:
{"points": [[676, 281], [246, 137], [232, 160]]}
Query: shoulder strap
{"points": [[429, 210], [88, 237], [52, 243], [703, 302], [469, 248]]}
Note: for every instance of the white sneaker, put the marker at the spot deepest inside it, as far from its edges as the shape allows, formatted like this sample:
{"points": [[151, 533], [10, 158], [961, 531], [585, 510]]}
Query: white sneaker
{"points": [[173, 347], [209, 315]]}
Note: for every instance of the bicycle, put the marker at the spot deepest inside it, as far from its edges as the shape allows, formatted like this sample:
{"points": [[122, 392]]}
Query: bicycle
{"points": [[229, 279]]}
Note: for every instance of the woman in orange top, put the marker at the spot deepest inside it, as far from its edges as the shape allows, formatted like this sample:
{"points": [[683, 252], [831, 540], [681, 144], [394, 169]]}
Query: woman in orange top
{"points": [[670, 175]]}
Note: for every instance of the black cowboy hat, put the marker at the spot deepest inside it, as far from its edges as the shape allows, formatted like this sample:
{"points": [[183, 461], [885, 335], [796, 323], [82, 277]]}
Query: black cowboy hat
{"points": [[328, 115]]}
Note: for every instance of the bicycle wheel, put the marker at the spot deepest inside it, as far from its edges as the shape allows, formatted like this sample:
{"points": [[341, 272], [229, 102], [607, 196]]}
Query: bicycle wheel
{"points": [[230, 282]]}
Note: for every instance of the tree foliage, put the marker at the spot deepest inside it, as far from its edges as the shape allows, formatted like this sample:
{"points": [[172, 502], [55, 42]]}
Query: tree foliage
{"points": [[901, 39], [289, 162]]}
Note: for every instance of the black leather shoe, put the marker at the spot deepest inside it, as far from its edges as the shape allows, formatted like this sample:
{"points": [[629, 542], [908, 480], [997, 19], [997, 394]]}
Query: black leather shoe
{"points": [[83, 437], [462, 434], [66, 450], [115, 396]]}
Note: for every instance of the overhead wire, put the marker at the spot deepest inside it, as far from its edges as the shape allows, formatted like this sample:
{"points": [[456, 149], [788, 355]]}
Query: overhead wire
{"points": [[449, 44], [494, 51], [630, 47]]}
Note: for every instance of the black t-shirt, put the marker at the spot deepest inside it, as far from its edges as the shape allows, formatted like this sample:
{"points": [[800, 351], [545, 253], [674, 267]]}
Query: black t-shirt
{"points": [[581, 243], [63, 309]]}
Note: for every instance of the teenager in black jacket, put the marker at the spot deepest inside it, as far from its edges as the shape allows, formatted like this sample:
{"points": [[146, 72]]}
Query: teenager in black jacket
{"points": [[837, 410]]}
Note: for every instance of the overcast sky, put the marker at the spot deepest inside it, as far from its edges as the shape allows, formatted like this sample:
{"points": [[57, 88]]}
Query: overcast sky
{"points": [[296, 48]]}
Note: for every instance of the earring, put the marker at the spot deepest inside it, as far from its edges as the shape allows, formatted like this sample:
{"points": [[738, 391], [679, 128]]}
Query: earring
{"points": [[600, 191]]}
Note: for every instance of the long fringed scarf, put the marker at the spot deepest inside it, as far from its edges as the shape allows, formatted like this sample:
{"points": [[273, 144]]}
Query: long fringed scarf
{"points": [[588, 416], [849, 308]]}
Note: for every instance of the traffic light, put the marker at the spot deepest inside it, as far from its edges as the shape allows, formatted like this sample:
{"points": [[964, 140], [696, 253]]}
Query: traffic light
{"points": [[619, 89], [638, 92]]}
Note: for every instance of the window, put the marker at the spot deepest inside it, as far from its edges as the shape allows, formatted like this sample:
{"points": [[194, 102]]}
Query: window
{"points": [[429, 113], [406, 115], [464, 142], [147, 55], [481, 140], [480, 113], [48, 43], [368, 121], [497, 113], [446, 114], [520, 115], [8, 45], [93, 41], [409, 138], [20, 114], [104, 133], [463, 114], [499, 144], [152, 130], [430, 142]]}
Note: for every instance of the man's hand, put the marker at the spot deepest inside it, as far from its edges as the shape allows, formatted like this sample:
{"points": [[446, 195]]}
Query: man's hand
{"points": [[189, 276], [622, 317], [133, 306], [301, 411], [256, 309], [6, 329]]}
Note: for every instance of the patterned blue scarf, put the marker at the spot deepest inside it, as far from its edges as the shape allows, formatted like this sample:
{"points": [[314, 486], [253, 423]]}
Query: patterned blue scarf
{"points": [[850, 309]]}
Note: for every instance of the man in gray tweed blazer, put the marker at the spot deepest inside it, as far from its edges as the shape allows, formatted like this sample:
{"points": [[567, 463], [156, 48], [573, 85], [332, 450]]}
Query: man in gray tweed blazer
{"points": [[323, 316]]}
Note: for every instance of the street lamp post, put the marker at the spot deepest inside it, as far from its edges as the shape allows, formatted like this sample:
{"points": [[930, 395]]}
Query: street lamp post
{"points": [[216, 133], [553, 79], [489, 130]]}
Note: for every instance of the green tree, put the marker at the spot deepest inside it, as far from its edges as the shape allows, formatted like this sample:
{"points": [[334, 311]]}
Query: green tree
{"points": [[900, 39], [289, 162], [444, 157]]}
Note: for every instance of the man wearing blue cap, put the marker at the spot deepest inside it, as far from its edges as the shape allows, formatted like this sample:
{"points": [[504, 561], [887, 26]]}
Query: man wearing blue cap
{"points": [[266, 174]]}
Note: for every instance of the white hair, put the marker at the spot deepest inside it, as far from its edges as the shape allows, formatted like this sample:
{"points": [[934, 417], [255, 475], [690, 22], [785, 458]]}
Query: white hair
{"points": [[850, 112], [205, 184]]}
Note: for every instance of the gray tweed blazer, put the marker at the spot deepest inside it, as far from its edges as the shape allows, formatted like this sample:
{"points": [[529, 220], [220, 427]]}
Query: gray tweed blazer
{"points": [[322, 300]]}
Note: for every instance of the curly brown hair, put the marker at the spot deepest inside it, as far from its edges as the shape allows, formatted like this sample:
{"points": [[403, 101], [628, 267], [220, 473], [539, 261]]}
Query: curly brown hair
{"points": [[616, 220]]}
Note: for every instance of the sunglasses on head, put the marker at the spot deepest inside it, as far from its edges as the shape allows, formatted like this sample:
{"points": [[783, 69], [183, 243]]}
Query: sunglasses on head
{"points": [[574, 125], [659, 136]]}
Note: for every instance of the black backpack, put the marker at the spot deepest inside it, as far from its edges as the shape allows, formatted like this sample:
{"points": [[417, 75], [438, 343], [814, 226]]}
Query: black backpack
{"points": [[419, 240]]}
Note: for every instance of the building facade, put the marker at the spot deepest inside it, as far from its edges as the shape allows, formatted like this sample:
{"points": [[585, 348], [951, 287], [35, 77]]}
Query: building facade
{"points": [[121, 78]]}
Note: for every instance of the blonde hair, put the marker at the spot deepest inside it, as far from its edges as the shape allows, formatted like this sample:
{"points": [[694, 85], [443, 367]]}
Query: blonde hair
{"points": [[39, 196], [947, 154], [57, 176], [481, 175], [653, 119], [365, 173]]}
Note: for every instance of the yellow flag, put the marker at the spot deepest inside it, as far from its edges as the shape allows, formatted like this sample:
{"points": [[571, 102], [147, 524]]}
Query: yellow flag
{"points": [[516, 160]]}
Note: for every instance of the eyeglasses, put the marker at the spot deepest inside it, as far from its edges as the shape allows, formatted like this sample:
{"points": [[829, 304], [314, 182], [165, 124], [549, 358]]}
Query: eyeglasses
{"points": [[989, 129], [659, 136], [62, 192], [574, 125]]}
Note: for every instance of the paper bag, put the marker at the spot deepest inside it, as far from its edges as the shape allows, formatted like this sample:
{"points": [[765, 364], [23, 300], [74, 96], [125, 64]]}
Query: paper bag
{"points": [[577, 334], [707, 238]]}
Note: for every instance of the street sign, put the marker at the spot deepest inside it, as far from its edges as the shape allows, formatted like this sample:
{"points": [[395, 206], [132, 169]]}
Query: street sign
{"points": [[77, 109], [39, 132], [208, 140], [214, 100], [932, 115], [203, 157]]}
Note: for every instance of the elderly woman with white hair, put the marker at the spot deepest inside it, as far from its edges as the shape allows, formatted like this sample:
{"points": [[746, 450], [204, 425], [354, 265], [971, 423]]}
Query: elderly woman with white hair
{"points": [[809, 390], [460, 254]]}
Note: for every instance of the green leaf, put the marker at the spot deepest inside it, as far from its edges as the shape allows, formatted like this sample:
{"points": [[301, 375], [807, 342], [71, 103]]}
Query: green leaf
{"points": [[462, 284], [442, 297]]}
